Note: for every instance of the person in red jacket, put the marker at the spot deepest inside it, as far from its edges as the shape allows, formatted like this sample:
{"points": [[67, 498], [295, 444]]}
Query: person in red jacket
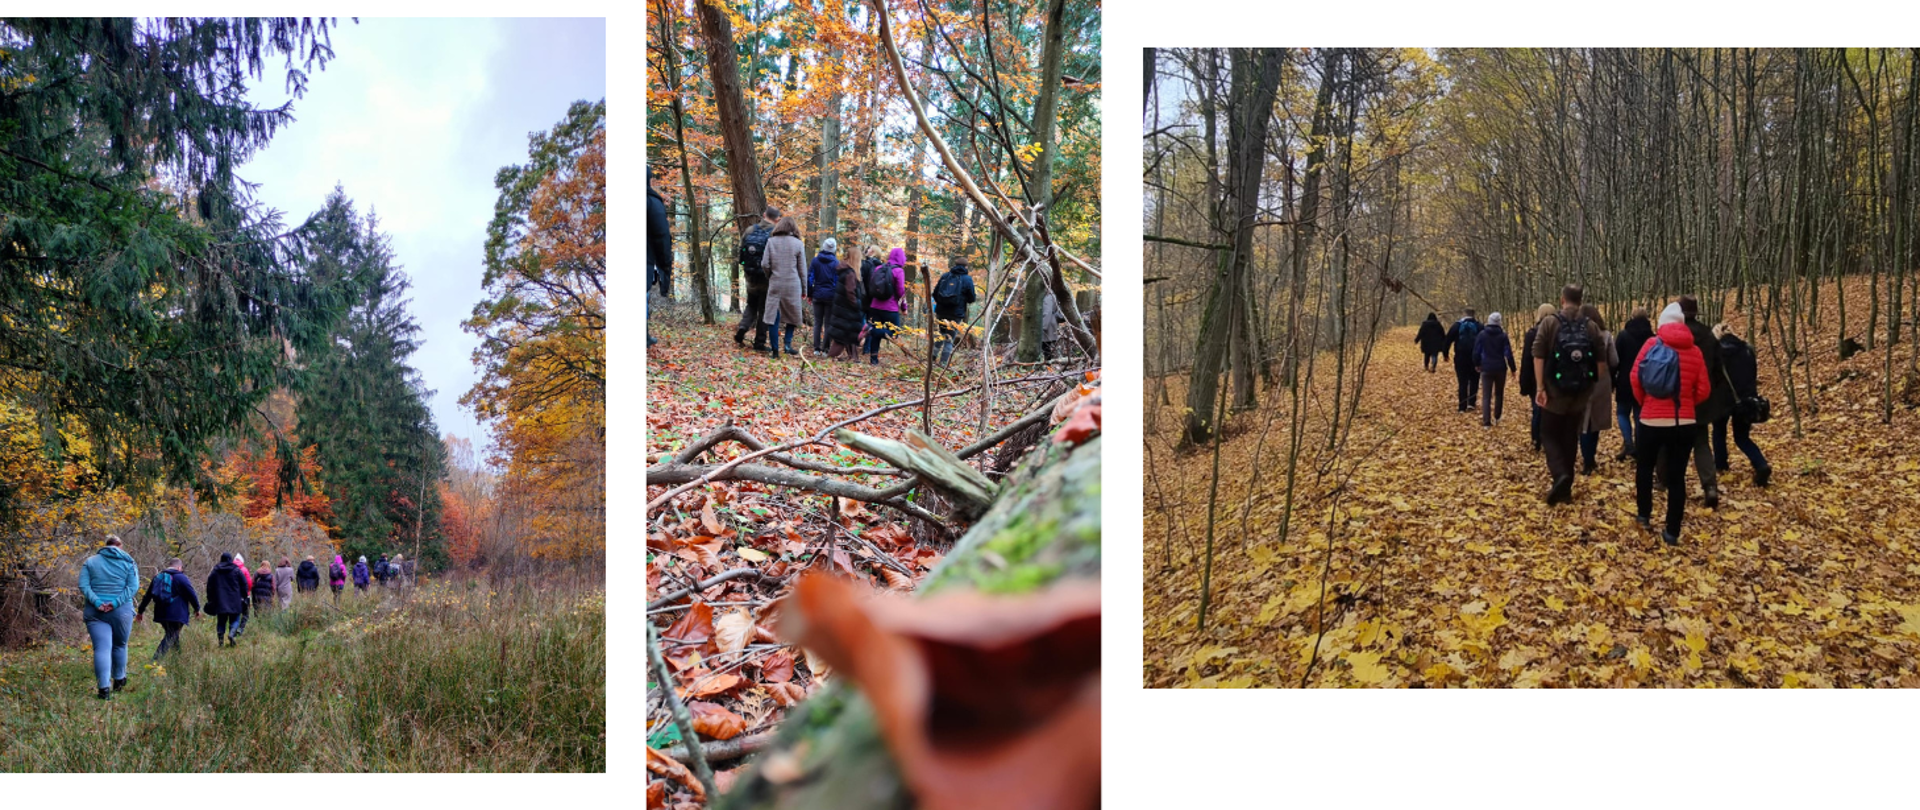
{"points": [[1668, 424]]}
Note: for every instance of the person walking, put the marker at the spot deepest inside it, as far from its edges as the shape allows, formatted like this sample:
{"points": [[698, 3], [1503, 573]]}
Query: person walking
{"points": [[785, 261], [337, 577], [1566, 362], [1718, 405], [263, 590], [1462, 336], [283, 582], [1669, 380], [1743, 377], [360, 575], [240, 562], [1632, 337], [951, 298], [404, 569], [382, 571], [309, 575], [1432, 341], [1600, 400], [823, 282], [1050, 319], [659, 249], [843, 325], [1493, 353], [174, 605], [226, 599], [1529, 385], [885, 287], [109, 582], [752, 257]]}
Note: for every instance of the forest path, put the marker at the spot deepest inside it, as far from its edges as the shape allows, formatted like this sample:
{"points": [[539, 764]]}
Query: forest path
{"points": [[1448, 569]]}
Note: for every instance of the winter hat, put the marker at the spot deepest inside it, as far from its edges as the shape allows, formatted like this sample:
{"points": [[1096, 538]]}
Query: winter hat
{"points": [[1672, 314], [1494, 319], [363, 558], [226, 556], [239, 560], [830, 245]]}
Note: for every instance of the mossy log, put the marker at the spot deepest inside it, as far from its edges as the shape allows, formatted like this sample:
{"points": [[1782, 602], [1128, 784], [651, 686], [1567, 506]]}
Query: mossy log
{"points": [[1043, 526]]}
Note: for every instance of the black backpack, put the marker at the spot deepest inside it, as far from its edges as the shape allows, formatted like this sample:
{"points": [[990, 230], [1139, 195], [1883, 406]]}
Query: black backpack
{"points": [[1572, 366], [880, 284], [946, 295], [753, 249]]}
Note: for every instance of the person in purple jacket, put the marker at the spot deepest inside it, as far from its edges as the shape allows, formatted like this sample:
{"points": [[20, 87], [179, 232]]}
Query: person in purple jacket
{"points": [[1493, 353], [884, 311]]}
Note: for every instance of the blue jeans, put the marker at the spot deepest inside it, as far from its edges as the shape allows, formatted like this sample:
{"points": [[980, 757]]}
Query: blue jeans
{"points": [[109, 632], [949, 337], [884, 325], [1626, 414]]}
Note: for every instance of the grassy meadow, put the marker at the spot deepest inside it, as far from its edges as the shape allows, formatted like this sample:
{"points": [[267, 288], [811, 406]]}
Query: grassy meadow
{"points": [[453, 675]]}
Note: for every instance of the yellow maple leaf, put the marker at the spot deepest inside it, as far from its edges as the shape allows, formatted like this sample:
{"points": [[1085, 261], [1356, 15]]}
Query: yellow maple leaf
{"points": [[1367, 668]]}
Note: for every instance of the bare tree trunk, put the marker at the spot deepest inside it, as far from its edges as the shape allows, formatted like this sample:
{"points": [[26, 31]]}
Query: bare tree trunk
{"points": [[749, 197], [1040, 189]]}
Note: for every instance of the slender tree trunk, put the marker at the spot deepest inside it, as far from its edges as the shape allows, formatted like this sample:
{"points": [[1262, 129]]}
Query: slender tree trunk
{"points": [[749, 197]]}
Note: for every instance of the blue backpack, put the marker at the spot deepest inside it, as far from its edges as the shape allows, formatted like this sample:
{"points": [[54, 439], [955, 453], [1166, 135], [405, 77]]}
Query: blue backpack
{"points": [[1660, 371], [1468, 338], [162, 588]]}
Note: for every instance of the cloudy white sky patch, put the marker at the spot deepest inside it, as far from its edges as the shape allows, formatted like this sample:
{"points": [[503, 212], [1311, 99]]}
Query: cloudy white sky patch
{"points": [[412, 119]]}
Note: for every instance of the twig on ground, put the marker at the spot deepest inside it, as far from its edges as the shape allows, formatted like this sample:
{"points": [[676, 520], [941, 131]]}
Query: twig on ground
{"points": [[702, 585], [681, 718], [721, 750]]}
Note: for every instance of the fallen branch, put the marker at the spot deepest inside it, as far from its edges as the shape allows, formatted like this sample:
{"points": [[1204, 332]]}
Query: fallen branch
{"points": [[1001, 435], [702, 585], [681, 717], [722, 750], [716, 473], [676, 473], [730, 432]]}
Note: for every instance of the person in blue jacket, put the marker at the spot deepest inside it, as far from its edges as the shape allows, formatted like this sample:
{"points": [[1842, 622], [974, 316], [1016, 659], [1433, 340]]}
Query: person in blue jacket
{"points": [[173, 608], [109, 581], [360, 575], [1493, 353], [823, 281]]}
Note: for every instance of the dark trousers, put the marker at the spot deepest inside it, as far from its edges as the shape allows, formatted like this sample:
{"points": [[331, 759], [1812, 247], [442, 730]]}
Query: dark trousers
{"points": [[223, 621], [750, 317], [1589, 445], [822, 310], [1533, 430], [1433, 362], [1558, 433], [171, 641], [949, 338], [1703, 460], [884, 325], [1495, 384], [1469, 378], [1742, 437], [1647, 452]]}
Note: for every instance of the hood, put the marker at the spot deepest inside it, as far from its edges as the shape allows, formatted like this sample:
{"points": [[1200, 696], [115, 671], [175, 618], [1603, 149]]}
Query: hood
{"points": [[1493, 329], [897, 257], [1676, 335], [115, 553], [961, 269], [826, 253], [1639, 327], [226, 565], [1732, 341], [1434, 317]]}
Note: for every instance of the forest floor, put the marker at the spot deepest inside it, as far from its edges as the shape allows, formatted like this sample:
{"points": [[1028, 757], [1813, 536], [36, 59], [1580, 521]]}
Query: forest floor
{"points": [[738, 678], [1441, 566], [452, 675]]}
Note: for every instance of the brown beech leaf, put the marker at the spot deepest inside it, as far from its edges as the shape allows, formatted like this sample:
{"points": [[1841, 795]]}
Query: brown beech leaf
{"points": [[787, 693], [656, 792], [777, 668], [715, 721], [733, 630], [709, 520], [710, 684], [896, 580], [694, 627], [1084, 425], [670, 768], [1014, 682]]}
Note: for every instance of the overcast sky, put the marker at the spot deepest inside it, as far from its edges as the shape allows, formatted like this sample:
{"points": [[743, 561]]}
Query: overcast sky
{"points": [[413, 118]]}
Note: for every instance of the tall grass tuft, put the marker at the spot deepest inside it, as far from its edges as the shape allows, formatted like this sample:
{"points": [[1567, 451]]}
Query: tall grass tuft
{"points": [[448, 676]]}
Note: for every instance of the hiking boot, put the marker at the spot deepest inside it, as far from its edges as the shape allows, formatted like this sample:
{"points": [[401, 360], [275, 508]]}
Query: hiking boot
{"points": [[739, 337], [1669, 538], [1646, 523], [1762, 475], [105, 693], [119, 684], [1626, 452], [1587, 467], [1562, 491], [1712, 497]]}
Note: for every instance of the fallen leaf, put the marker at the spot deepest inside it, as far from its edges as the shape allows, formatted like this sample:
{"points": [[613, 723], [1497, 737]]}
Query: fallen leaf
{"points": [[1367, 668], [752, 554], [671, 768], [732, 631], [718, 683], [715, 721], [777, 668], [708, 519]]}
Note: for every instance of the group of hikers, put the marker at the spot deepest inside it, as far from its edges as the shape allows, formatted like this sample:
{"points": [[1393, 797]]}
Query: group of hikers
{"points": [[1663, 383], [110, 581], [852, 311]]}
